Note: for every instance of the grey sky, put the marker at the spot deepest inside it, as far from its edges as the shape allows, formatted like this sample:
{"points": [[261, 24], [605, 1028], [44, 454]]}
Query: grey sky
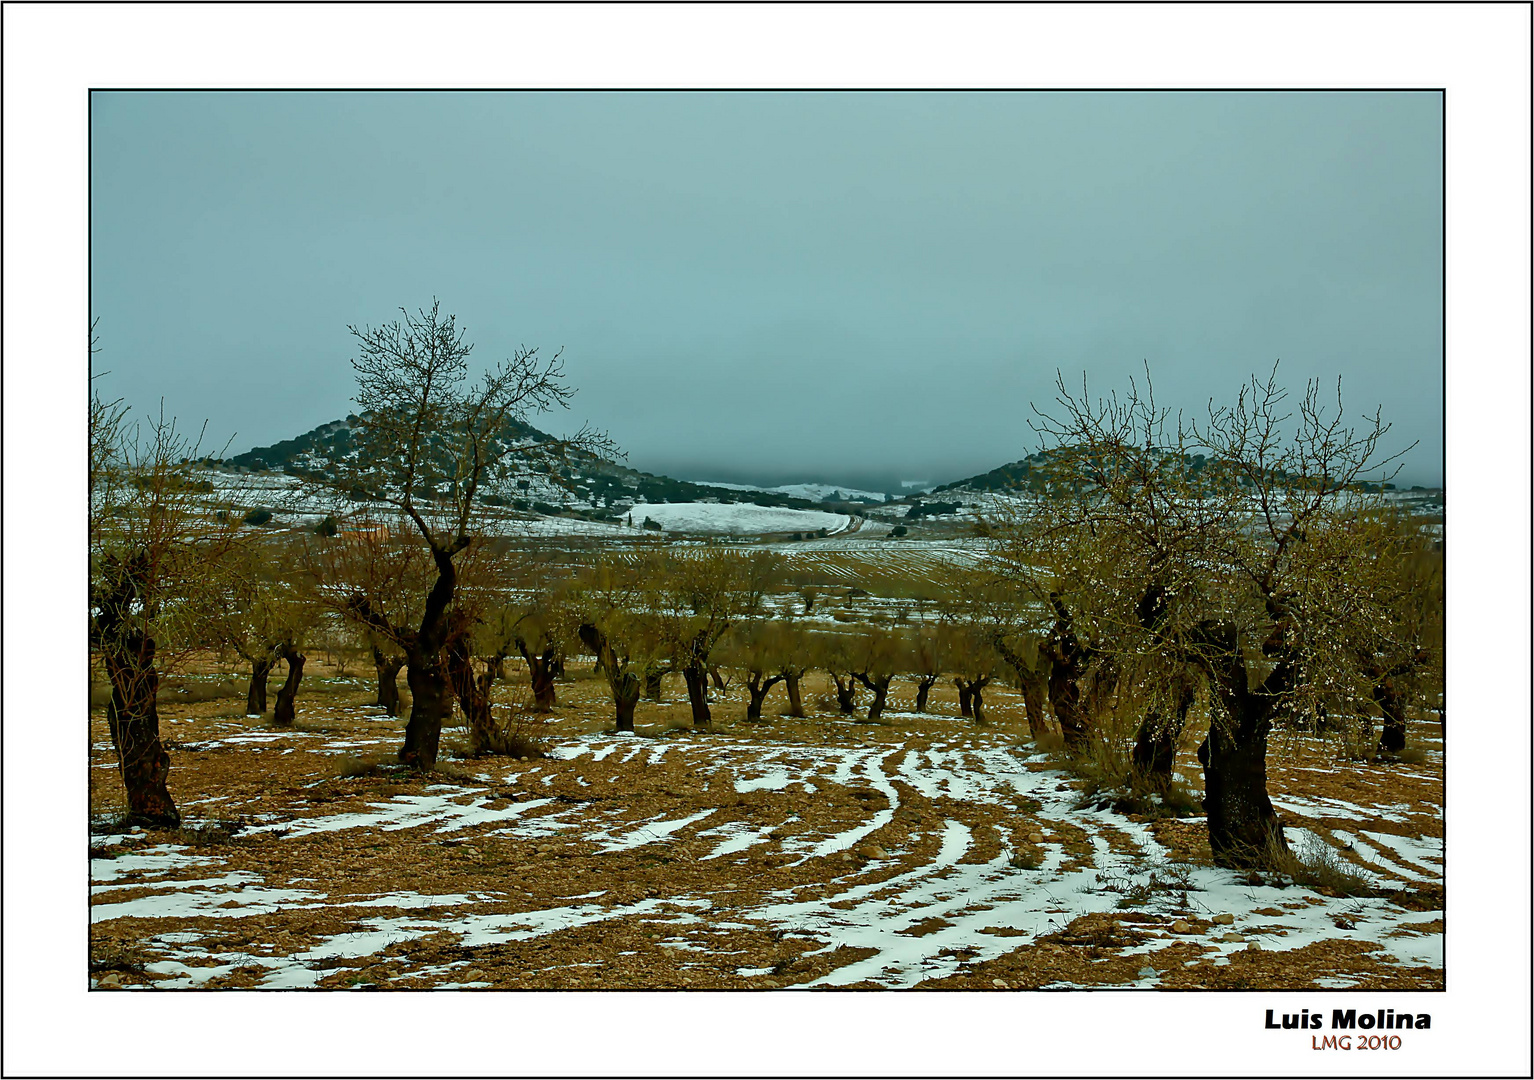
{"points": [[848, 287]]}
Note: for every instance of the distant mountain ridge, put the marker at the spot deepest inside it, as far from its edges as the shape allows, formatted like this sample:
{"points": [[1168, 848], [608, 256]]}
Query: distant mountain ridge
{"points": [[588, 485]]}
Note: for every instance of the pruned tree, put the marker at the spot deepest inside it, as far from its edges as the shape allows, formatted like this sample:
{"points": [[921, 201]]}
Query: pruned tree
{"points": [[998, 601], [696, 597], [877, 656], [427, 442], [931, 646], [1401, 654], [837, 655], [158, 549], [266, 616], [754, 646], [375, 572], [1239, 548], [613, 621], [796, 654], [977, 662]]}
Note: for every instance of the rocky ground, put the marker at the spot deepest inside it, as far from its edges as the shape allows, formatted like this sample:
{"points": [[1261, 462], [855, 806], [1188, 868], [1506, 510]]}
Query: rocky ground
{"points": [[922, 851]]}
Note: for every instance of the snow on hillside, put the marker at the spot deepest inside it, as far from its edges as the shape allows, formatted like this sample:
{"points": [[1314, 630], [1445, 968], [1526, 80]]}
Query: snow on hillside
{"points": [[811, 492], [740, 518]]}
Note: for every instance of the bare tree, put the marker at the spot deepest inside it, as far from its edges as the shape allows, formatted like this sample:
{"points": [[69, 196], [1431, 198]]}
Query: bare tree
{"points": [[426, 443]]}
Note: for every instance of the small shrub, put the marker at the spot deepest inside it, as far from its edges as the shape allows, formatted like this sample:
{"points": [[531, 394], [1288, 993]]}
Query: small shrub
{"points": [[452, 771], [364, 765], [1317, 865], [1162, 878], [1029, 858], [651, 523], [257, 517], [899, 530], [328, 527], [213, 834], [112, 958]]}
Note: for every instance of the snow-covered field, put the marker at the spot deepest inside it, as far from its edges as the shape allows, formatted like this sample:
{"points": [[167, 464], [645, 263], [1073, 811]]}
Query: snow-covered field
{"points": [[737, 518], [948, 894]]}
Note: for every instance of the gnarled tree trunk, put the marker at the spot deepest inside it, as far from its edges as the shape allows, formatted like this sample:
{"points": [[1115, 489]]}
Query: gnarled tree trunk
{"points": [[626, 689], [622, 683], [283, 712], [255, 697], [388, 667], [1393, 735], [431, 691], [791, 677], [757, 685], [1035, 690], [431, 702], [1068, 665], [1156, 742], [880, 685], [474, 697], [696, 678], [540, 668], [923, 688], [1244, 829], [135, 726], [972, 697], [846, 694]]}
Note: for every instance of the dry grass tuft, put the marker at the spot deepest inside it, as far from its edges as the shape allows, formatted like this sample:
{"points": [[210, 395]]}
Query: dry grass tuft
{"points": [[371, 765], [1318, 866]]}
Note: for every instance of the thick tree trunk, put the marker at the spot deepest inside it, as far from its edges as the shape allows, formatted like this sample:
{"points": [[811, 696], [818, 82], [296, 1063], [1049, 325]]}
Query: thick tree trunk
{"points": [[625, 696], [474, 698], [972, 697], [1035, 689], [978, 688], [880, 685], [697, 694], [284, 712], [1156, 742], [540, 667], [846, 694], [1070, 712], [135, 726], [431, 690], [965, 696], [1393, 737], [1244, 830], [431, 703], [1069, 660], [255, 698], [388, 680], [923, 688], [791, 684], [757, 685]]}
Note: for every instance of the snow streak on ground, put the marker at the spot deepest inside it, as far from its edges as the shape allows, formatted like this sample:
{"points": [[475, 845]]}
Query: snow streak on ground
{"points": [[947, 897]]}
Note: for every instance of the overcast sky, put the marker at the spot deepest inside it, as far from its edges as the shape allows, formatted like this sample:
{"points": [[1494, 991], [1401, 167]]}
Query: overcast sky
{"points": [[858, 288]]}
